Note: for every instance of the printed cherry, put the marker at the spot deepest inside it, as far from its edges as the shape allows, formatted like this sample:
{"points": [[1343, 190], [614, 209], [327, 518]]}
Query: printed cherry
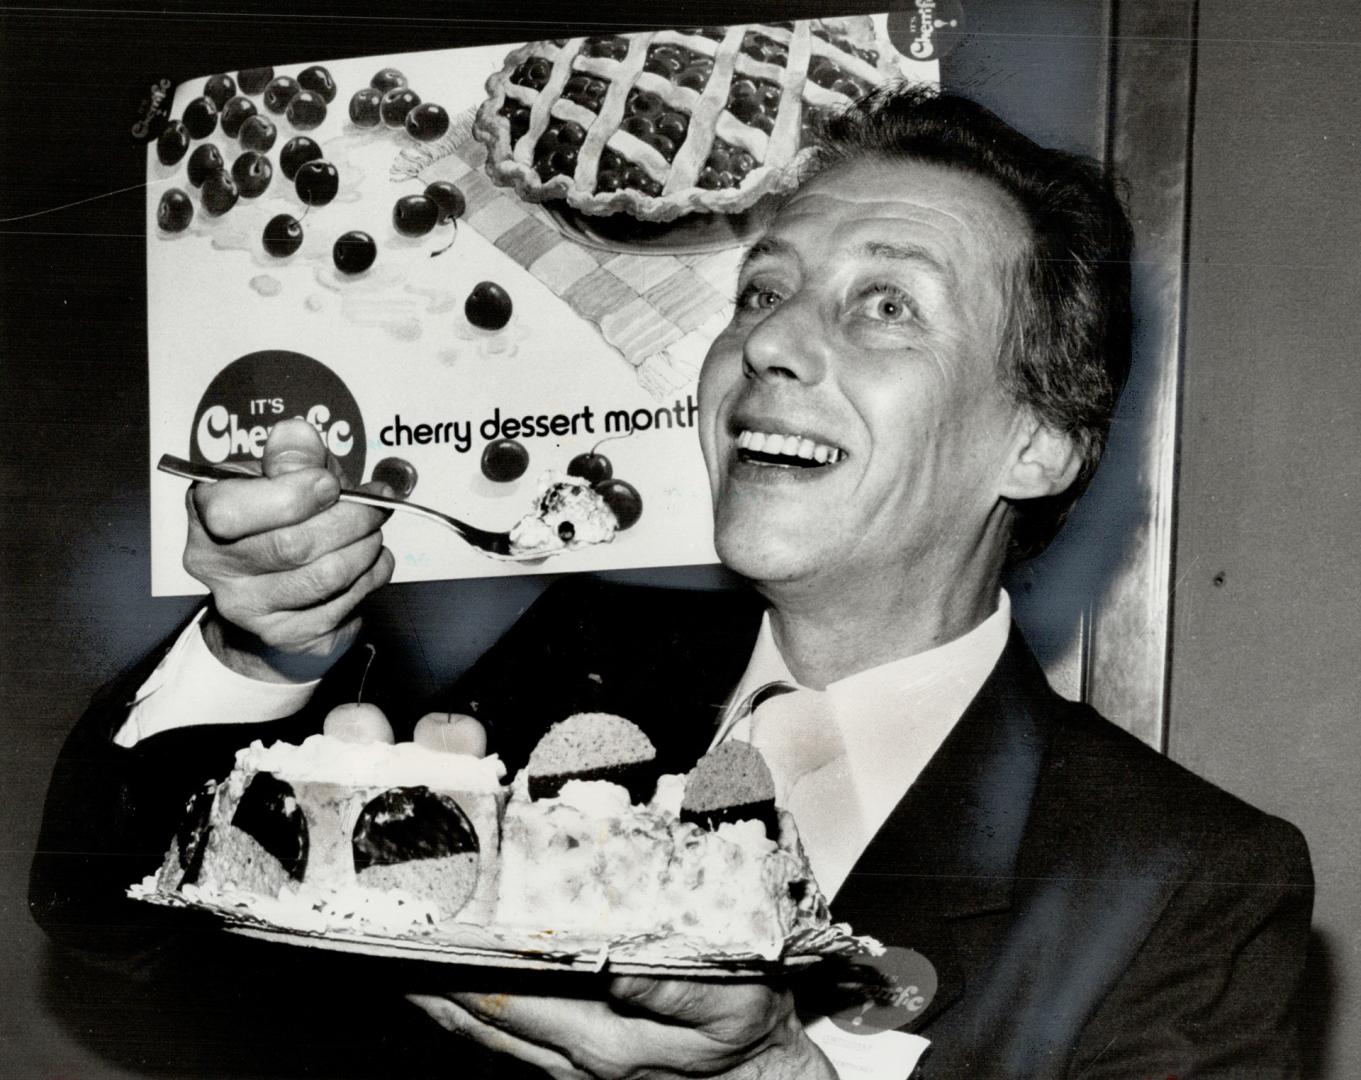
{"points": [[219, 193], [623, 498], [354, 252], [504, 460], [591, 467], [396, 104], [364, 107], [219, 89], [387, 79], [283, 235], [297, 152], [427, 122], [235, 113], [316, 182], [319, 81], [280, 92], [398, 474], [414, 215], [259, 133], [306, 111], [252, 173], [448, 198], [253, 80], [175, 211], [173, 143], [488, 306], [200, 117], [203, 162]]}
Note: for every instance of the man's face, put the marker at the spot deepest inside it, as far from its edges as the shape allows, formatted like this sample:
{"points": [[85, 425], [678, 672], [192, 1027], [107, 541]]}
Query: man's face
{"points": [[851, 415]]}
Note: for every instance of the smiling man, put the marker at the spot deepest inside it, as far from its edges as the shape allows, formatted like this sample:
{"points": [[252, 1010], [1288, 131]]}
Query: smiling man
{"points": [[917, 381], [869, 329]]}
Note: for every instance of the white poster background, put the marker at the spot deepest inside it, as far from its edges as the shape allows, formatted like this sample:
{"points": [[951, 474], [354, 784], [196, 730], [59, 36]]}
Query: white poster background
{"points": [[398, 339]]}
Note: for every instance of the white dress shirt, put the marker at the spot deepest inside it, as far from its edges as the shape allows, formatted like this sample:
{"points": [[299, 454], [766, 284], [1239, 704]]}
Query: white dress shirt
{"points": [[192, 686], [892, 719]]}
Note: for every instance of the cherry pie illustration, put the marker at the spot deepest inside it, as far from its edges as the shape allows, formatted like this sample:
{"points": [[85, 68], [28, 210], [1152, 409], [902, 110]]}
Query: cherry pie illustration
{"points": [[672, 122]]}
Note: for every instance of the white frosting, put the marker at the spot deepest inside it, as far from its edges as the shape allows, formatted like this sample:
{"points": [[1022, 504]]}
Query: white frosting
{"points": [[324, 759], [594, 798], [670, 794]]}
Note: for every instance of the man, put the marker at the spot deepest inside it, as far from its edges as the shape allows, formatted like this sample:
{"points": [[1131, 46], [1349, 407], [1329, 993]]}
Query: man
{"points": [[917, 381]]}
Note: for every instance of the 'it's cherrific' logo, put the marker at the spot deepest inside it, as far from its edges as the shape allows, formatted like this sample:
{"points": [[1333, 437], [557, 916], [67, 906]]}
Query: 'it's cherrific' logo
{"points": [[926, 29], [250, 395], [889, 991]]}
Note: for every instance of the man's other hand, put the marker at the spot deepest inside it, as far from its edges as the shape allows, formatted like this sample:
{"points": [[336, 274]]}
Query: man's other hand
{"points": [[644, 1027], [285, 562]]}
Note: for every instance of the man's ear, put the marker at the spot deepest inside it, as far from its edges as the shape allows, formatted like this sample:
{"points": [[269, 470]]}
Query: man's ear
{"points": [[1046, 463]]}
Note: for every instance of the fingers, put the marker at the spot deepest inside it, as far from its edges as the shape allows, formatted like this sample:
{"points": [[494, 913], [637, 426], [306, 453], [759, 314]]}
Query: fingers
{"points": [[268, 526], [313, 580], [454, 1018], [600, 1041], [294, 612], [232, 509]]}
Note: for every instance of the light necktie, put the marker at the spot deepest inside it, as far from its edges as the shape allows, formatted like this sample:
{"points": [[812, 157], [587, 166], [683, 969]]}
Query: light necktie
{"points": [[796, 731]]}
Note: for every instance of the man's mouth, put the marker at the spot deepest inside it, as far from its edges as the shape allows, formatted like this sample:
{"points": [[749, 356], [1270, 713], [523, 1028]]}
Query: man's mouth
{"points": [[786, 450]]}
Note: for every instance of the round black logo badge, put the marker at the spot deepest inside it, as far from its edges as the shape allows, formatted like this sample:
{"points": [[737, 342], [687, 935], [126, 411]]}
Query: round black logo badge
{"points": [[926, 29], [889, 991], [250, 395]]}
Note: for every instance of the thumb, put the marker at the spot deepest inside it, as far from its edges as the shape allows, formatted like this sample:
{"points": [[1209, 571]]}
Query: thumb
{"points": [[293, 445]]}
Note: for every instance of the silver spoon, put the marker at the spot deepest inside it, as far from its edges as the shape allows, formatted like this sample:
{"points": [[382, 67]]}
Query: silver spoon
{"points": [[494, 544]]}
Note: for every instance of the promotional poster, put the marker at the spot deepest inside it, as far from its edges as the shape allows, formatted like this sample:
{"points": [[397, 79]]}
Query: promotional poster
{"points": [[506, 343]]}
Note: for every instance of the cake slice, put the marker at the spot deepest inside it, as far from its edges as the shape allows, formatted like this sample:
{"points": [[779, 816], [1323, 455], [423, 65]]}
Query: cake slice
{"points": [[731, 783], [331, 831], [593, 746]]}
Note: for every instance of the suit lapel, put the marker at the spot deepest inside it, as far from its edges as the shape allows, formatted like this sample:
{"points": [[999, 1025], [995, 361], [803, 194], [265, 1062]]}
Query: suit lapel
{"points": [[949, 848]]}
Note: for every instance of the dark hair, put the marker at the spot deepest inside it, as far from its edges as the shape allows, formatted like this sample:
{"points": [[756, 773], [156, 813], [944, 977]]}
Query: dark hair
{"points": [[1066, 345]]}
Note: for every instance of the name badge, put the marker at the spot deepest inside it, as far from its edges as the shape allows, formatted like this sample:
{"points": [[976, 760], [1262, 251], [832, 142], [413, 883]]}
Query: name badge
{"points": [[877, 1055], [879, 995]]}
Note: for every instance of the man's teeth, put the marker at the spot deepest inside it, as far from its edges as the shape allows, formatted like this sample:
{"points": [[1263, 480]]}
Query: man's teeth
{"points": [[794, 446]]}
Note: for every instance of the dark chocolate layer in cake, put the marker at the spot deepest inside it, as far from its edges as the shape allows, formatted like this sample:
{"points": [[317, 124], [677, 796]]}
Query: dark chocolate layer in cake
{"points": [[407, 823], [269, 813]]}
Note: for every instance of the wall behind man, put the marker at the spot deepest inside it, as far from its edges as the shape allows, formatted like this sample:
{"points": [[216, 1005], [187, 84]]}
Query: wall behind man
{"points": [[1266, 683]]}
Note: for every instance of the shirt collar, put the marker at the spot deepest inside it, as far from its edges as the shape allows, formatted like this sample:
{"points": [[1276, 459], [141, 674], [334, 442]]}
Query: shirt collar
{"points": [[942, 663], [895, 716]]}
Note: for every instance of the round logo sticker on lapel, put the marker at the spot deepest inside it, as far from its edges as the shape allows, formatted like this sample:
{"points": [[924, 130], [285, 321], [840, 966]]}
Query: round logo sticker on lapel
{"points": [[253, 393], [892, 991]]}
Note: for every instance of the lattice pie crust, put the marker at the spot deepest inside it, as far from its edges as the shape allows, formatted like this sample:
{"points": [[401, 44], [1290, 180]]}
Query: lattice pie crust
{"points": [[672, 122]]}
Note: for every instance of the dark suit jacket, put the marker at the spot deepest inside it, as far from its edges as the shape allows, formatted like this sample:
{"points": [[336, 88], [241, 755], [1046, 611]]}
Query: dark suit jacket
{"points": [[1091, 908]]}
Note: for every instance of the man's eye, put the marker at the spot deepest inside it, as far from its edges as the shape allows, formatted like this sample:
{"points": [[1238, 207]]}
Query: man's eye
{"points": [[758, 298], [887, 304]]}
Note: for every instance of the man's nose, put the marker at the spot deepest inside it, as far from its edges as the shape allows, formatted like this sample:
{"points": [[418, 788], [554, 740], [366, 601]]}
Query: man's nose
{"points": [[786, 344]]}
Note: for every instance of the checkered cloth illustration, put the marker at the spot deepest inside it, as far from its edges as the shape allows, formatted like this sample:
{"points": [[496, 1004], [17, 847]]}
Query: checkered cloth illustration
{"points": [[659, 311]]}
